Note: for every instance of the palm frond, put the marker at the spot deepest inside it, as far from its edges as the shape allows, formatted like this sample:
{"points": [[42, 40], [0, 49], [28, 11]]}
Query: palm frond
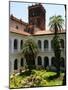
{"points": [[56, 22]]}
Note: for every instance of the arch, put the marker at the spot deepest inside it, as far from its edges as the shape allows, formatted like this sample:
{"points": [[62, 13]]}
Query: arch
{"points": [[21, 44], [22, 62], [39, 60], [46, 61], [62, 63], [45, 44], [33, 62], [62, 43], [53, 61], [15, 44], [15, 64], [39, 44]]}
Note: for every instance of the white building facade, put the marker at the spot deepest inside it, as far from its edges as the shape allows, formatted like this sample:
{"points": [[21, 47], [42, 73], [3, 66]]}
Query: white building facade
{"points": [[44, 42]]}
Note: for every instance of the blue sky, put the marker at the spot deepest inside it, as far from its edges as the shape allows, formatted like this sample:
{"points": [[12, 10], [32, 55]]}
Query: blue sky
{"points": [[20, 10]]}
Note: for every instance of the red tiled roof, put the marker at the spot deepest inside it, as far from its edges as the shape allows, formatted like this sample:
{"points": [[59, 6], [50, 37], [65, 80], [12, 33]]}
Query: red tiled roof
{"points": [[39, 32], [42, 32], [46, 32], [36, 33], [18, 20]]}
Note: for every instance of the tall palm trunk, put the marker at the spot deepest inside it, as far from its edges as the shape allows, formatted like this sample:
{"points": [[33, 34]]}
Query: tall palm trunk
{"points": [[56, 30]]}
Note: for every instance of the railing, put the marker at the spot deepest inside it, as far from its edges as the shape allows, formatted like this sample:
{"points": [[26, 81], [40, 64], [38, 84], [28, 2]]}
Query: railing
{"points": [[49, 50], [16, 51]]}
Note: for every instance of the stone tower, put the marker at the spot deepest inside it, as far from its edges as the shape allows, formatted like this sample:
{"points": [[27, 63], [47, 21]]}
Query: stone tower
{"points": [[37, 16]]}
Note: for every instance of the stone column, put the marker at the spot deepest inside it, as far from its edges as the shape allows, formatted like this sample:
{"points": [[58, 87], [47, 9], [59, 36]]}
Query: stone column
{"points": [[43, 61], [12, 67], [19, 61], [49, 44], [25, 62], [19, 44], [12, 46], [49, 61], [42, 45], [36, 61]]}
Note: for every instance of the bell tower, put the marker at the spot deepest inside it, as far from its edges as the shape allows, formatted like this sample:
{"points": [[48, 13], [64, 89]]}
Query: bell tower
{"points": [[37, 16]]}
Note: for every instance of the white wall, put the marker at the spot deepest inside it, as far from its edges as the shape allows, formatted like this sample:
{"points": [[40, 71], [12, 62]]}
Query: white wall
{"points": [[17, 55]]}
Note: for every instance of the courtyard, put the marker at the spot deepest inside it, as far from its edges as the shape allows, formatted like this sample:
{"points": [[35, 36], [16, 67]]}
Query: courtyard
{"points": [[36, 78]]}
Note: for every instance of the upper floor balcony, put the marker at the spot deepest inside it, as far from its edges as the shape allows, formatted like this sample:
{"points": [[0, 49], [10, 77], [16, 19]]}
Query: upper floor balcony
{"points": [[16, 46]]}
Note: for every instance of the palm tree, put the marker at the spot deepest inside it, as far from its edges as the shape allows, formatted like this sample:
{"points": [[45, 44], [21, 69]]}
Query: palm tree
{"points": [[30, 51], [56, 25]]}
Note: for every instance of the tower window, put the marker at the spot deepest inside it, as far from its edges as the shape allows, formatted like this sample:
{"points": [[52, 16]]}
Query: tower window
{"points": [[17, 27], [33, 13]]}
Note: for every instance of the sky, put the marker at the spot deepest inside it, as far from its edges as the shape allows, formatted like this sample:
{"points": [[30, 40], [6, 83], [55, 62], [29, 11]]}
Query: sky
{"points": [[20, 10]]}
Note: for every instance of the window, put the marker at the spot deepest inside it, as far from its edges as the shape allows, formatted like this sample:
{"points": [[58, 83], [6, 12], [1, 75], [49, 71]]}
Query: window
{"points": [[15, 44], [45, 44], [21, 44], [15, 64], [33, 62], [16, 27], [62, 43], [46, 61], [39, 60], [39, 44], [53, 61], [33, 14], [21, 61], [62, 62]]}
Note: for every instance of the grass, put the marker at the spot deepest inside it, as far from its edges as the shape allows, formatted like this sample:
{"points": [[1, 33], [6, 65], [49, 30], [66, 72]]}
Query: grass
{"points": [[37, 78]]}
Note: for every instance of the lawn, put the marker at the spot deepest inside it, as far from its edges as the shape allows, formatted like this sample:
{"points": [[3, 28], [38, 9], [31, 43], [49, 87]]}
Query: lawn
{"points": [[36, 78]]}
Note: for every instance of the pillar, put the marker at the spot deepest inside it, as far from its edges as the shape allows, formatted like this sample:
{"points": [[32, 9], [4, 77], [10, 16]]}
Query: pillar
{"points": [[49, 61], [24, 61], [19, 61], [49, 44], [19, 44], [36, 61], [12, 68], [43, 61], [42, 45], [12, 45]]}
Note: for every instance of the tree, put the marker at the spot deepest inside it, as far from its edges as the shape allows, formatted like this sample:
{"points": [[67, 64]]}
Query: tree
{"points": [[56, 25], [57, 53], [30, 51], [64, 78]]}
